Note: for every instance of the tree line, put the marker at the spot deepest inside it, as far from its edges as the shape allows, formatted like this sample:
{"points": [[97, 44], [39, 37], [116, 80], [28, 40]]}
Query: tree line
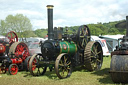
{"points": [[23, 27], [17, 23]]}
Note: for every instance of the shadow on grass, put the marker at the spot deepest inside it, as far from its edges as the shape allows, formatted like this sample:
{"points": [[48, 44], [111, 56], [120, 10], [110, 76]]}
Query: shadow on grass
{"points": [[80, 68], [52, 74], [49, 74], [105, 74]]}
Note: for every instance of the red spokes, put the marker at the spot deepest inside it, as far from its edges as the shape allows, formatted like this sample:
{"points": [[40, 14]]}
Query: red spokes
{"points": [[34, 64], [22, 50], [14, 69], [12, 36]]}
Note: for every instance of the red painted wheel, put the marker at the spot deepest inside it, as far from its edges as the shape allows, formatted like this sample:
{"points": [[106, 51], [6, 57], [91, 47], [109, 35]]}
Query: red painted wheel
{"points": [[12, 36], [19, 50], [34, 67], [13, 69]]}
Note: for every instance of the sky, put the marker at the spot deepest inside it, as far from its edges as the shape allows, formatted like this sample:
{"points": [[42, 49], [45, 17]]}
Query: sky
{"points": [[66, 12]]}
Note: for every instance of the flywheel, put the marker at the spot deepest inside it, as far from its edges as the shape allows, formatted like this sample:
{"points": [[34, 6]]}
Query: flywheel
{"points": [[12, 37], [93, 56], [83, 36]]}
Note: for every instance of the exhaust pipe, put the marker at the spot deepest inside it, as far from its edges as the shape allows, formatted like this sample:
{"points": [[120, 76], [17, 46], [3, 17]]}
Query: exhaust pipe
{"points": [[50, 22]]}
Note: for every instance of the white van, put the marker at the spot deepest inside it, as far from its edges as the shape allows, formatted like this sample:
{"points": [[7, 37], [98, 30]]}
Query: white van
{"points": [[102, 43]]}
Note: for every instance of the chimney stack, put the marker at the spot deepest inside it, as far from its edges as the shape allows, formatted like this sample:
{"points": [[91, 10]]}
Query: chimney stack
{"points": [[50, 22]]}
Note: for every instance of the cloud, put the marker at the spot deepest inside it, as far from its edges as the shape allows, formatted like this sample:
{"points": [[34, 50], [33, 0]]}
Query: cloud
{"points": [[66, 12]]}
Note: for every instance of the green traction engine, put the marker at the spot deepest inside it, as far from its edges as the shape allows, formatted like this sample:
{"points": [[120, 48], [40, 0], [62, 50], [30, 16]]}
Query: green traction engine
{"points": [[63, 51]]}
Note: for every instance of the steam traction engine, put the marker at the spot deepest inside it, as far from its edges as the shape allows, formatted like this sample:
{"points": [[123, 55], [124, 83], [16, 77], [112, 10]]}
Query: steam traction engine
{"points": [[119, 61], [12, 54], [63, 51]]}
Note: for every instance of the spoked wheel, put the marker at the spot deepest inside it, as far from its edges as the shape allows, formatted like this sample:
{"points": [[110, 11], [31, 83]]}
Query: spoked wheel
{"points": [[34, 67], [19, 50], [12, 36], [93, 56], [13, 69], [83, 36], [119, 68], [63, 66], [26, 63]]}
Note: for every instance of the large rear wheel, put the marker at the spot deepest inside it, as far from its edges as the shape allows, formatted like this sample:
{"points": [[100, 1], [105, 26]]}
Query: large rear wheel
{"points": [[93, 56], [19, 50]]}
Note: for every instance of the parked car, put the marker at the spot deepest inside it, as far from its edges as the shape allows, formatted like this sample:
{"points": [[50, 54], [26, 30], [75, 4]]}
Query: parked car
{"points": [[30, 40], [34, 47]]}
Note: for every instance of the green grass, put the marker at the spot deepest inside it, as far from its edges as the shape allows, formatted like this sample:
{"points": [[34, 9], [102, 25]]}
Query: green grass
{"points": [[78, 77]]}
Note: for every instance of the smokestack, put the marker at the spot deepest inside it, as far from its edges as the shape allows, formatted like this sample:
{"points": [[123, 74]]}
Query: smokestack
{"points": [[50, 22], [127, 26]]}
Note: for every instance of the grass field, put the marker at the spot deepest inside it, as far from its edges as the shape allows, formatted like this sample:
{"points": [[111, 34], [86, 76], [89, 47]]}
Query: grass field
{"points": [[78, 77]]}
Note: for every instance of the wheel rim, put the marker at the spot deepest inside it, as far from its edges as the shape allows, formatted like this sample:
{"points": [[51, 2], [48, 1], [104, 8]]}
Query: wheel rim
{"points": [[34, 67], [13, 69], [95, 59], [20, 50], [63, 66], [93, 56], [83, 36], [12, 36]]}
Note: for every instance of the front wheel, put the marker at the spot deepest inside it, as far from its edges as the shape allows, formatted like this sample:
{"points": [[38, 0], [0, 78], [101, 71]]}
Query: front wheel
{"points": [[63, 66], [34, 67], [13, 69]]}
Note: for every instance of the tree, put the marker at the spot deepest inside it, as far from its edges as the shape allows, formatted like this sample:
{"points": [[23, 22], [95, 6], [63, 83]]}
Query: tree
{"points": [[17, 23], [95, 30], [113, 31], [41, 32], [2, 27], [28, 34]]}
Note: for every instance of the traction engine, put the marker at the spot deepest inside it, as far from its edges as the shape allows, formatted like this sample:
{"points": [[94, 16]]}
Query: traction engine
{"points": [[119, 61], [63, 51], [12, 54]]}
